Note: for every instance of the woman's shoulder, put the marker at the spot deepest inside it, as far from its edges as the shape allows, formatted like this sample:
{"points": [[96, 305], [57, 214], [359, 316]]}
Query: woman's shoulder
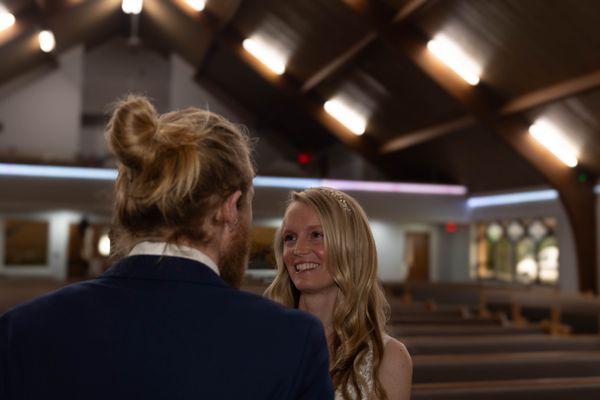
{"points": [[394, 352], [395, 371]]}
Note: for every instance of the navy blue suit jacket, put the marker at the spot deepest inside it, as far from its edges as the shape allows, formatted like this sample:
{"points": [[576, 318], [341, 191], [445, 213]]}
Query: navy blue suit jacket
{"points": [[160, 328]]}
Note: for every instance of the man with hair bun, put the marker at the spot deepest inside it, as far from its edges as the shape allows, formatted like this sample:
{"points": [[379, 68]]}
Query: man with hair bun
{"points": [[167, 321]]}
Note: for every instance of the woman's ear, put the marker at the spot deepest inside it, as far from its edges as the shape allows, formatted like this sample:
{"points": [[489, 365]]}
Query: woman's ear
{"points": [[229, 210]]}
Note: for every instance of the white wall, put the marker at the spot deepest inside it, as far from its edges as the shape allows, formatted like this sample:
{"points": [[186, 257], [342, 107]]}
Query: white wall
{"points": [[453, 254], [390, 238], [42, 118], [116, 68]]}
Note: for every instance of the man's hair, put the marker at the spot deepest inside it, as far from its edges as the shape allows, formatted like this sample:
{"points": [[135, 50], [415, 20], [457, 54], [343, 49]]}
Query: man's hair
{"points": [[361, 310], [175, 169]]}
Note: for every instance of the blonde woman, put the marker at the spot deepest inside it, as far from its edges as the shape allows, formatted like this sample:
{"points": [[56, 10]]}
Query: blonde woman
{"points": [[327, 266]]}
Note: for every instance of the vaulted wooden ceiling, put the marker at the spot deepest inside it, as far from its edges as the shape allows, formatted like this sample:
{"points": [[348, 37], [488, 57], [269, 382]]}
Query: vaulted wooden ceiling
{"points": [[538, 57]]}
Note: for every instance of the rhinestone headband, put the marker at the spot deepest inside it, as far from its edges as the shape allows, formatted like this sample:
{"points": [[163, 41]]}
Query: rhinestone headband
{"points": [[340, 199]]}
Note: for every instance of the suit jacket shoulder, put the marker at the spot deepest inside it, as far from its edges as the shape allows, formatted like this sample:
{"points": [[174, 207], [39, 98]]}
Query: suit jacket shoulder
{"points": [[157, 329]]}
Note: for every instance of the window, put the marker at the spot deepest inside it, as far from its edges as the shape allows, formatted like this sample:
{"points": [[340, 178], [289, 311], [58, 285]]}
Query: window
{"points": [[522, 250]]}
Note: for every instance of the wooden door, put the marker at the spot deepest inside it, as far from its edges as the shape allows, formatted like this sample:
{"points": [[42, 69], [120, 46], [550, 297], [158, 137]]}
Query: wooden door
{"points": [[417, 256]]}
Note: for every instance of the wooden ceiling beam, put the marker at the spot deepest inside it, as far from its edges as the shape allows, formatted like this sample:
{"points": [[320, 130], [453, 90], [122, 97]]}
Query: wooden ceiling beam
{"points": [[551, 93], [413, 138], [334, 66], [290, 88], [183, 27], [340, 61], [577, 198], [520, 104], [226, 36], [19, 48]]}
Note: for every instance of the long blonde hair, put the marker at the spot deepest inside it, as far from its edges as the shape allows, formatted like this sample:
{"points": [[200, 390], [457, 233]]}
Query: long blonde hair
{"points": [[174, 170], [361, 310]]}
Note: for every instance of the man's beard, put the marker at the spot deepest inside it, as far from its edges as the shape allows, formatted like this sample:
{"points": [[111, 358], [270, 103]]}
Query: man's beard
{"points": [[233, 263]]}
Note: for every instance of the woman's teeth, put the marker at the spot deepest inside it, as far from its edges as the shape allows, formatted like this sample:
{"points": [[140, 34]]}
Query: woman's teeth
{"points": [[306, 266]]}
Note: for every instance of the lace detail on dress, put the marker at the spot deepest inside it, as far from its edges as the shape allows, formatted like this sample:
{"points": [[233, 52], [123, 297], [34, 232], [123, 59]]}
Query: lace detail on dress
{"points": [[365, 372]]}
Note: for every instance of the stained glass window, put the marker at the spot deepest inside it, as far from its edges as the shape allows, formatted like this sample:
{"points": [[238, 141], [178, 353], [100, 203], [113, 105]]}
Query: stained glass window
{"points": [[524, 251]]}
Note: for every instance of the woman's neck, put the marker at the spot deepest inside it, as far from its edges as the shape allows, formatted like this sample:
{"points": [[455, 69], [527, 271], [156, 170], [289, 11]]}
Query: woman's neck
{"points": [[320, 304]]}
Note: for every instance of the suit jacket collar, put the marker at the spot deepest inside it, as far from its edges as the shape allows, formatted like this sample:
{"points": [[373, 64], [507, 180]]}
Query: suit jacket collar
{"points": [[164, 268]]}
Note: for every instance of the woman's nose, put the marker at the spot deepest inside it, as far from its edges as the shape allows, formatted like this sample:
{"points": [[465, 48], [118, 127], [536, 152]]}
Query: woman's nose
{"points": [[301, 247]]}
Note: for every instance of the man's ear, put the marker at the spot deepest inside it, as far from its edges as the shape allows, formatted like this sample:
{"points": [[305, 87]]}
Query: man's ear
{"points": [[229, 209]]}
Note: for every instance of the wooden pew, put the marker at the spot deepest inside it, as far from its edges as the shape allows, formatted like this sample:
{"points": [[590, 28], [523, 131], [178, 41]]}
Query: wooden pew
{"points": [[442, 319], [505, 366], [580, 388], [422, 345], [399, 307], [406, 330], [560, 311]]}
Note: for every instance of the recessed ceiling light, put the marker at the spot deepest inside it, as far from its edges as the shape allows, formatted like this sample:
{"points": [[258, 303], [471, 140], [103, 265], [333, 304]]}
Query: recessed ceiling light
{"points": [[132, 6], [455, 58], [104, 245], [266, 54], [346, 115], [554, 140], [197, 5], [47, 41], [6, 19]]}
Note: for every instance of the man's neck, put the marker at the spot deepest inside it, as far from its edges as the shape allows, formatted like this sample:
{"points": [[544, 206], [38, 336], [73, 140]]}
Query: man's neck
{"points": [[209, 249]]}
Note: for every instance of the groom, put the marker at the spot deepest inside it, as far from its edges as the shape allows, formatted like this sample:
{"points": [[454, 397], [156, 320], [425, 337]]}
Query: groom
{"points": [[167, 320]]}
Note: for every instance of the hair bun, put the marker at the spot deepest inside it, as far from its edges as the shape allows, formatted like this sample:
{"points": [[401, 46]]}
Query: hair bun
{"points": [[131, 131]]}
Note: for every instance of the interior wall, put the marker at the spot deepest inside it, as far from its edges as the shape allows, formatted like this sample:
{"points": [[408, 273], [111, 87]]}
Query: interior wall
{"points": [[453, 253], [116, 68], [391, 216], [36, 124]]}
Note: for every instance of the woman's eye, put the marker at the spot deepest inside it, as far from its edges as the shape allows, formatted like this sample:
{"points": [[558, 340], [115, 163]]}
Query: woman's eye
{"points": [[317, 235], [288, 237]]}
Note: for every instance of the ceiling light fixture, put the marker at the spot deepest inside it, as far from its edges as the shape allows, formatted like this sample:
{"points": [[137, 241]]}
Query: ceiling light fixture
{"points": [[551, 138], [512, 198], [109, 174], [266, 54], [132, 6], [455, 58], [197, 5], [104, 245], [6, 19], [346, 115], [50, 171], [47, 41]]}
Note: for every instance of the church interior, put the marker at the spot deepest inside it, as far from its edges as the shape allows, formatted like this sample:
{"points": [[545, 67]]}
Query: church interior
{"points": [[469, 130]]}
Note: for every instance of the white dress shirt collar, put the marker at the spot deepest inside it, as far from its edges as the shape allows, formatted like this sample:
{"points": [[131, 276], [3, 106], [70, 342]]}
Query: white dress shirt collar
{"points": [[173, 250]]}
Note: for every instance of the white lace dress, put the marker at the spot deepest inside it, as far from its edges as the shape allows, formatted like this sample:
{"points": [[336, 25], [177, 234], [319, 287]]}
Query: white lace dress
{"points": [[365, 373]]}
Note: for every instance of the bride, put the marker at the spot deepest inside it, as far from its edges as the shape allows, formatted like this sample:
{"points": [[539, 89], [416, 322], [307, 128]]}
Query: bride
{"points": [[327, 266]]}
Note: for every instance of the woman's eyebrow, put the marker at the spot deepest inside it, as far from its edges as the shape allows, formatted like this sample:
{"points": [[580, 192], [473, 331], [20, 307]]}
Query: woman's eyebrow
{"points": [[315, 227]]}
